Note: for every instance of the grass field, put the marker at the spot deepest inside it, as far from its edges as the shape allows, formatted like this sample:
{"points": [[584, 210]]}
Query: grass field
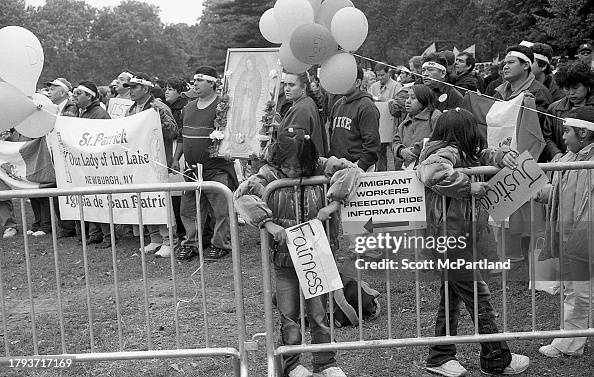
{"points": [[221, 314]]}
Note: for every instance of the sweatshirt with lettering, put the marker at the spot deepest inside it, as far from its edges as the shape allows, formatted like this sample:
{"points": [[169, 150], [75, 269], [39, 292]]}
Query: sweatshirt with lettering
{"points": [[355, 129]]}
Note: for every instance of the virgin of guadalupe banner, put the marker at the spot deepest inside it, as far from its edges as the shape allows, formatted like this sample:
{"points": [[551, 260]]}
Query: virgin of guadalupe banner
{"points": [[252, 78], [96, 152]]}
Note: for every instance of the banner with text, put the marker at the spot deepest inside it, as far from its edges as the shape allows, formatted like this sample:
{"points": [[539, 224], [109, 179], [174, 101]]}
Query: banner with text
{"points": [[313, 259], [94, 152], [385, 201], [510, 189], [118, 107]]}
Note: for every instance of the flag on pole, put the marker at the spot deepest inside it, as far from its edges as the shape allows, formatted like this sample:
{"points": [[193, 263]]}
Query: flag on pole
{"points": [[26, 165], [471, 49], [431, 49], [505, 121], [496, 60], [456, 51]]}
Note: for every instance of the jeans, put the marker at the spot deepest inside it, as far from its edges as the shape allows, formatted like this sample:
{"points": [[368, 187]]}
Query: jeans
{"points": [[99, 230], [495, 356], [210, 202], [382, 157], [41, 212], [287, 297], [7, 214]]}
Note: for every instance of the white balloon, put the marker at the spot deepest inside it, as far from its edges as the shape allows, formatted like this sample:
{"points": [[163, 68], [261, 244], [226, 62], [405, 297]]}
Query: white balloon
{"points": [[339, 73], [290, 14], [349, 27], [42, 121], [269, 28], [21, 58], [15, 107]]}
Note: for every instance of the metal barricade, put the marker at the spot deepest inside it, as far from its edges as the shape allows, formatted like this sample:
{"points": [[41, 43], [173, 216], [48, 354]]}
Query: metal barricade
{"points": [[391, 341], [37, 323]]}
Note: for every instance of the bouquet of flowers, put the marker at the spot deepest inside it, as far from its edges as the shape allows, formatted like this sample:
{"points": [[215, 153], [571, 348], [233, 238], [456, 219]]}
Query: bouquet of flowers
{"points": [[220, 123]]}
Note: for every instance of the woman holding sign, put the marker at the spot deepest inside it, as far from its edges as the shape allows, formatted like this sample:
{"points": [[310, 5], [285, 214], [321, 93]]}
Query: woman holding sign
{"points": [[570, 225], [294, 155], [457, 143]]}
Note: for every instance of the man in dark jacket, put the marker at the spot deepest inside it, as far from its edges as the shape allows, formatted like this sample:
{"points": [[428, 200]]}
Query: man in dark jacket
{"points": [[141, 93], [86, 98], [355, 127], [465, 76], [434, 76]]}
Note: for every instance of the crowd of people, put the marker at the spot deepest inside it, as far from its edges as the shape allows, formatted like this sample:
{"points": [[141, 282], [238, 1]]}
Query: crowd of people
{"points": [[338, 136]]}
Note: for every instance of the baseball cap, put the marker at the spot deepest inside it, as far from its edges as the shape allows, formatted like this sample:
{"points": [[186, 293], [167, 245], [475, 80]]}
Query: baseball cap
{"points": [[585, 46], [60, 81]]}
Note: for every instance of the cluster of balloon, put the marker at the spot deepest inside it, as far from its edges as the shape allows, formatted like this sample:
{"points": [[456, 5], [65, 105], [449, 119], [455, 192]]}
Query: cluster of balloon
{"points": [[311, 31], [21, 61]]}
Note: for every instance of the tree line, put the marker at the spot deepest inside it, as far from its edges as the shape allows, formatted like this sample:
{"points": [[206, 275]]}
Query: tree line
{"points": [[83, 42]]}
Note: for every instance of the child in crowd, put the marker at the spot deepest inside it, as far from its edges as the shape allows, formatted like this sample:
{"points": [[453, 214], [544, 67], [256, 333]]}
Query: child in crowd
{"points": [[457, 143], [294, 155], [569, 222], [418, 125]]}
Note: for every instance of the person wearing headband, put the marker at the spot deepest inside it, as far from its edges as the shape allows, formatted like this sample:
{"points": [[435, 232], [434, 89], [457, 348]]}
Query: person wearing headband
{"points": [[123, 91], [85, 96], [434, 71], [542, 69], [140, 92], [569, 232], [519, 79], [195, 142]]}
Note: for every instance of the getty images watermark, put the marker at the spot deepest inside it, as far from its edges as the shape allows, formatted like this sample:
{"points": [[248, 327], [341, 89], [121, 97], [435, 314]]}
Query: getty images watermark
{"points": [[447, 245]]}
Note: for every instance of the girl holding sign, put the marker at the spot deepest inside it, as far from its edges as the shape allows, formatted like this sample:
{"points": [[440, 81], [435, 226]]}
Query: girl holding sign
{"points": [[569, 224], [457, 143], [294, 155]]}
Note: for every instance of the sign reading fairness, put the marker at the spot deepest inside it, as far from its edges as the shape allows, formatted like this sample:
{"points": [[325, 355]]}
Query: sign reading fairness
{"points": [[385, 201], [93, 152], [313, 259]]}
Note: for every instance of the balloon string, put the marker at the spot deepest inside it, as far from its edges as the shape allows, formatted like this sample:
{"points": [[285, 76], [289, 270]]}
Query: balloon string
{"points": [[457, 87]]}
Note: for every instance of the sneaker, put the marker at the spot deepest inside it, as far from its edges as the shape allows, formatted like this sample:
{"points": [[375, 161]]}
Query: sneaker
{"points": [[240, 221], [164, 252], [9, 233], [39, 233], [519, 364], [550, 351], [151, 247], [186, 252], [450, 369], [331, 372], [30, 232], [300, 371], [92, 240], [215, 253], [105, 244]]}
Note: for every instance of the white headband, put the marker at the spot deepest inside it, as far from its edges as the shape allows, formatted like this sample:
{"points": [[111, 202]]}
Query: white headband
{"points": [[542, 57], [136, 80], [56, 82], [579, 123], [200, 76], [434, 65], [86, 90], [519, 55], [126, 74]]}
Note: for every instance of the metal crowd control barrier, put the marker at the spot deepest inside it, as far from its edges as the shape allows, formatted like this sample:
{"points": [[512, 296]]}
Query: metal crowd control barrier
{"points": [[274, 353], [238, 353]]}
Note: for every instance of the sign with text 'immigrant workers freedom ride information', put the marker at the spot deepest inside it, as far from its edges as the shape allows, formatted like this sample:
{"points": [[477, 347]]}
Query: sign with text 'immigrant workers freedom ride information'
{"points": [[385, 201]]}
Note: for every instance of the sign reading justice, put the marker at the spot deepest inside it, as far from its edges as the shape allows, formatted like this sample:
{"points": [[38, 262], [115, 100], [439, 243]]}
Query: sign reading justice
{"points": [[510, 189]]}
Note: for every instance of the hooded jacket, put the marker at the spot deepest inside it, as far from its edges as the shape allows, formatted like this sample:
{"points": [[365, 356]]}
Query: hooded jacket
{"points": [[355, 129], [577, 187], [436, 170], [304, 114], [468, 81], [281, 207]]}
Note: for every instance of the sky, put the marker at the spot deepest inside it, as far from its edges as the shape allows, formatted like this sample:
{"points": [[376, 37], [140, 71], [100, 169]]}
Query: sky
{"points": [[172, 11]]}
